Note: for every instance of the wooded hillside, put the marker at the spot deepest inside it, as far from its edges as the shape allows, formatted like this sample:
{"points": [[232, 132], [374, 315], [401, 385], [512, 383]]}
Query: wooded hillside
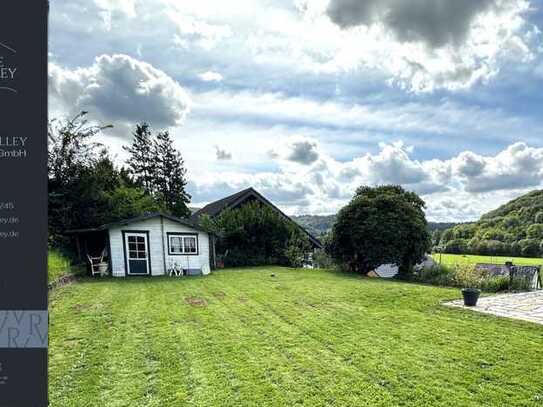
{"points": [[514, 229]]}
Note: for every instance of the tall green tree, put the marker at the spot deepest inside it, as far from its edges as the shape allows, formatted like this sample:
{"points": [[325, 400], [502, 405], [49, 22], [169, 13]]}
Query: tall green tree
{"points": [[380, 225], [156, 166], [142, 163], [170, 176]]}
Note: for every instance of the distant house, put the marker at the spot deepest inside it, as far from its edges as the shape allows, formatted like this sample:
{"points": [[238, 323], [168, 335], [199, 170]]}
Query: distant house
{"points": [[241, 198], [147, 245]]}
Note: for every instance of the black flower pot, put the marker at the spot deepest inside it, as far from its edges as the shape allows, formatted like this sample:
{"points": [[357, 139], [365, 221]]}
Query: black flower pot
{"points": [[471, 295]]}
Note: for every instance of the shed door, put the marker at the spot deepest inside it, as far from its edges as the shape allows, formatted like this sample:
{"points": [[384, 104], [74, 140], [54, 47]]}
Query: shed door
{"points": [[137, 253]]}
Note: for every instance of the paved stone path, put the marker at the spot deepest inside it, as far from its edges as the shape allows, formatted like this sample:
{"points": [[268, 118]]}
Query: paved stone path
{"points": [[524, 306]]}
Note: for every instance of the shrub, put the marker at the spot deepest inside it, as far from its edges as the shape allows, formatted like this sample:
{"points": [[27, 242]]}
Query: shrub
{"points": [[254, 235], [439, 275], [466, 275], [297, 248], [322, 260]]}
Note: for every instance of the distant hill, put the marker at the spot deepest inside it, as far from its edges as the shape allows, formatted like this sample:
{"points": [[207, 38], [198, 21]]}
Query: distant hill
{"points": [[514, 229], [318, 225]]}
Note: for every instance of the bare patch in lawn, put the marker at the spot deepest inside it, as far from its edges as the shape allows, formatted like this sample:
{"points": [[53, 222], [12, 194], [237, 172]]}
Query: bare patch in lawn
{"points": [[219, 294], [196, 301]]}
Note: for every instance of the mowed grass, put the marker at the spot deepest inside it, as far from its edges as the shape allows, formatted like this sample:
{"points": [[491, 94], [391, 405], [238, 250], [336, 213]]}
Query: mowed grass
{"points": [[301, 338], [454, 259]]}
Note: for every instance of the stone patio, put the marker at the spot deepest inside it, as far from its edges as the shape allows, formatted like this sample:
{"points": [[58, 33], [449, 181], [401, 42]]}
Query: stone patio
{"points": [[524, 306]]}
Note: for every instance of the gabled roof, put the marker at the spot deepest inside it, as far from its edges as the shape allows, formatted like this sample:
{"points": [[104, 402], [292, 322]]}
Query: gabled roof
{"points": [[215, 208], [185, 222], [230, 202]]}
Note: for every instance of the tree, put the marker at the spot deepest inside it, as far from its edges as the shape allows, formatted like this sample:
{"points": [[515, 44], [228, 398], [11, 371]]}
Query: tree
{"points": [[255, 234], [126, 202], [85, 187], [141, 162], [535, 231], [297, 248], [70, 147], [170, 176], [456, 246], [380, 225], [529, 247], [156, 166]]}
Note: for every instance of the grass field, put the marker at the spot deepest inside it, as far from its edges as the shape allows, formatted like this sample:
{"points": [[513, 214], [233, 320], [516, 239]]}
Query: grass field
{"points": [[452, 259], [301, 338]]}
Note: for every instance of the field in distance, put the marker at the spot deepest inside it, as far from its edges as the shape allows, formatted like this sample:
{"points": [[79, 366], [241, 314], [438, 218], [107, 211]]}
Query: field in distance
{"points": [[452, 259]]}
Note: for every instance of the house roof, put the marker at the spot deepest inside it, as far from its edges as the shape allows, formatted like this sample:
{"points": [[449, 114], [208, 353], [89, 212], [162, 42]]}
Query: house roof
{"points": [[213, 209], [185, 222]]}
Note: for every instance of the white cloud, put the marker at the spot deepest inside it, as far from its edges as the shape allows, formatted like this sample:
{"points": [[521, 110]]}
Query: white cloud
{"points": [[518, 166], [455, 189], [119, 89], [107, 9], [210, 76], [194, 30]]}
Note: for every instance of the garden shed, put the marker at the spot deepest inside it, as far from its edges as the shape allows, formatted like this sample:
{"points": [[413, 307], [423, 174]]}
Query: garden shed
{"points": [[148, 245]]}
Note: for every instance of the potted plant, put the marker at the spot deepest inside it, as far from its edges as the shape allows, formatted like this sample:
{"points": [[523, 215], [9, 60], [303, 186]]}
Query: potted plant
{"points": [[471, 295]]}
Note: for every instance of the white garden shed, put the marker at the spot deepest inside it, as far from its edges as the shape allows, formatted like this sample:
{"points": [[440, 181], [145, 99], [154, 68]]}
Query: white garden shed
{"points": [[149, 245]]}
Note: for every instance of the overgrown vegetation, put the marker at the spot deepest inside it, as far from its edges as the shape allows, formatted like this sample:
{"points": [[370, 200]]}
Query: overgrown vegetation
{"points": [[302, 338], [59, 265], [256, 234], [380, 225], [514, 229], [87, 189]]}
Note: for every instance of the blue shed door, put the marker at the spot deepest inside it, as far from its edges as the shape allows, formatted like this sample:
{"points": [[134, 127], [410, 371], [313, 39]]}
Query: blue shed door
{"points": [[137, 254]]}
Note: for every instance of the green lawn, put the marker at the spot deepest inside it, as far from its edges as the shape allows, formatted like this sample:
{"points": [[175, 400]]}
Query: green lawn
{"points": [[452, 259], [301, 338]]}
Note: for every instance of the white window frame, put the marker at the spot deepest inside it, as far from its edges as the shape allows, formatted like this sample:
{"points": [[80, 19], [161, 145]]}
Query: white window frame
{"points": [[183, 237]]}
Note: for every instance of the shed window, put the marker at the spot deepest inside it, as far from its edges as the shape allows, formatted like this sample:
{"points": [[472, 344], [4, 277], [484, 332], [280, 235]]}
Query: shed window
{"points": [[182, 244]]}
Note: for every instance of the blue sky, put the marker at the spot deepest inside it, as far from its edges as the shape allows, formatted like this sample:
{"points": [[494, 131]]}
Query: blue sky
{"points": [[307, 99]]}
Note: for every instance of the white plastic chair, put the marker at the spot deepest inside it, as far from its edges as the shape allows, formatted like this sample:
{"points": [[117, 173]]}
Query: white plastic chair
{"points": [[98, 265]]}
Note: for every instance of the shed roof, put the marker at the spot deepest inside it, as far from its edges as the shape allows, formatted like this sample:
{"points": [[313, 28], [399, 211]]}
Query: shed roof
{"points": [[185, 222]]}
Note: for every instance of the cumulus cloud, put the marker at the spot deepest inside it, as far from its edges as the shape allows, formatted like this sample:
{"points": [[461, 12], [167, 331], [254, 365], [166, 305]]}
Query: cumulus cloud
{"points": [[222, 154], [120, 90], [435, 22], [423, 45], [301, 150], [210, 76], [518, 166], [459, 188]]}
